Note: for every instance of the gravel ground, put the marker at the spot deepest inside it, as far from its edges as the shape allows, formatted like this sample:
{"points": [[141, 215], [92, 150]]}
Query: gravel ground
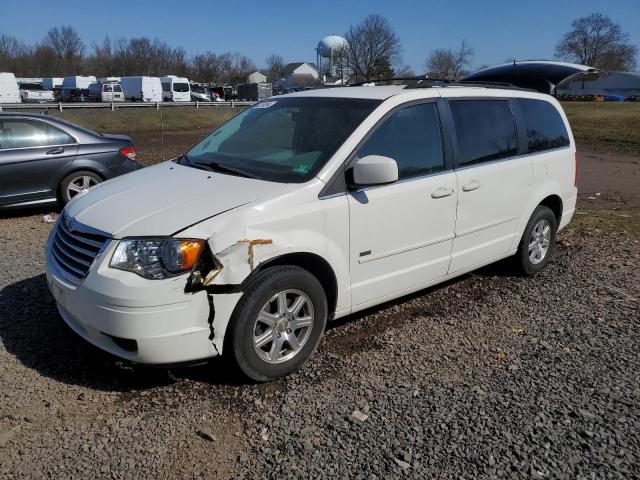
{"points": [[491, 375]]}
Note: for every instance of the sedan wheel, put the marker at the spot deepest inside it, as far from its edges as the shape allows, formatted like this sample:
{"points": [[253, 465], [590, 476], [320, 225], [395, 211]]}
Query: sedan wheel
{"points": [[77, 183]]}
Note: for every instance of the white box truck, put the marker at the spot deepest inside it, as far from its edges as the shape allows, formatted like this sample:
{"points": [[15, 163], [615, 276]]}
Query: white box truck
{"points": [[9, 91], [175, 89], [142, 89], [79, 82]]}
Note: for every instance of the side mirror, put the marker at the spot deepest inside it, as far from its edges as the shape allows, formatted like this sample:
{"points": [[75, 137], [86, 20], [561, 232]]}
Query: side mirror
{"points": [[375, 170]]}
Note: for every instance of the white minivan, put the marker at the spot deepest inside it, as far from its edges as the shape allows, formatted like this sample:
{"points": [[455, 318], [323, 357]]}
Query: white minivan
{"points": [[175, 89], [308, 207]]}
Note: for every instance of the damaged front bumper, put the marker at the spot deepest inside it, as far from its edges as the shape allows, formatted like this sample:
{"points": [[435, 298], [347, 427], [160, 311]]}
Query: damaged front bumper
{"points": [[146, 321]]}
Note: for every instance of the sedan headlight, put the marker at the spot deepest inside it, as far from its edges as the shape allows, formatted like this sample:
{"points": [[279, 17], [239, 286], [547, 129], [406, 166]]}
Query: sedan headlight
{"points": [[157, 258]]}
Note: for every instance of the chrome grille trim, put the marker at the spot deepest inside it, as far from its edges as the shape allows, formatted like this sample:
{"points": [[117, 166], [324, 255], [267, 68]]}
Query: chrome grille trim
{"points": [[74, 247]]}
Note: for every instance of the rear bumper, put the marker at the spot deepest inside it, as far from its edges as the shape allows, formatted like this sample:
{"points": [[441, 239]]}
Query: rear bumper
{"points": [[568, 209]]}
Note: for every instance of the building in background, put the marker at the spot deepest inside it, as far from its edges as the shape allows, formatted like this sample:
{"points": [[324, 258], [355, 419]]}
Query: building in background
{"points": [[622, 84], [256, 77], [300, 73]]}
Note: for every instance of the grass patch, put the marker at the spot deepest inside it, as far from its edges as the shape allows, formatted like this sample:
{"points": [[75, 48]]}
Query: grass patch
{"points": [[142, 120], [605, 127], [623, 223]]}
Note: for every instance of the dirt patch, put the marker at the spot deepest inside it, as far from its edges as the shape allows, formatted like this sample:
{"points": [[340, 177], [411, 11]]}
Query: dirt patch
{"points": [[608, 180]]}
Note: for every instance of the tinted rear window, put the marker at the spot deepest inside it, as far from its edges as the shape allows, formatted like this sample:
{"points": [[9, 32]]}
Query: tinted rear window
{"points": [[545, 128], [485, 130]]}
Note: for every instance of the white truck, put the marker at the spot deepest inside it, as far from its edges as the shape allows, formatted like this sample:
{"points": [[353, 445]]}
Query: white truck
{"points": [[142, 89], [9, 92], [175, 89], [35, 93]]}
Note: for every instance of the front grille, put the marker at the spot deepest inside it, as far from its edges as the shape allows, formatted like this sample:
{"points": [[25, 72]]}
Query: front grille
{"points": [[74, 248]]}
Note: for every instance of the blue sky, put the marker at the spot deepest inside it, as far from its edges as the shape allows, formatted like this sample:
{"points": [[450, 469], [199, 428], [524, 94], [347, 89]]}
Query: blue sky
{"points": [[495, 29]]}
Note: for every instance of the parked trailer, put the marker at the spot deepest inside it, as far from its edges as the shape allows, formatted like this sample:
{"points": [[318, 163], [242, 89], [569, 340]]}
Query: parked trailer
{"points": [[9, 91], [142, 89], [254, 91]]}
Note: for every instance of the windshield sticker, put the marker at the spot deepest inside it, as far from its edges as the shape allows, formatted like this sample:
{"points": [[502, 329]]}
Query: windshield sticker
{"points": [[265, 104], [301, 168]]}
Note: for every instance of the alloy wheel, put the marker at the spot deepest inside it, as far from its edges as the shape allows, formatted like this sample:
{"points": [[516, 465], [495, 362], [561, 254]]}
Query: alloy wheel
{"points": [[539, 241], [283, 326]]}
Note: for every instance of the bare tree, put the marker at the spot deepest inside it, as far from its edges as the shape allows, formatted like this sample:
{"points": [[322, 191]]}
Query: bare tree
{"points": [[449, 64], [67, 45], [275, 67], [597, 41], [373, 48], [405, 71]]}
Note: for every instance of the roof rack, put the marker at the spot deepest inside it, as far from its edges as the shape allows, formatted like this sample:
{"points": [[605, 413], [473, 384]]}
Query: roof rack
{"points": [[426, 82]]}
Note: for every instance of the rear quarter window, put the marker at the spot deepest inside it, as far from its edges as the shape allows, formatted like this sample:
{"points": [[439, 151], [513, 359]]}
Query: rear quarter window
{"points": [[545, 128]]}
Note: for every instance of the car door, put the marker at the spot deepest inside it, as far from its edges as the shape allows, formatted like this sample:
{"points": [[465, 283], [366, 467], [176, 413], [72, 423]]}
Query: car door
{"points": [[401, 234], [32, 152], [494, 180], [118, 94], [107, 93]]}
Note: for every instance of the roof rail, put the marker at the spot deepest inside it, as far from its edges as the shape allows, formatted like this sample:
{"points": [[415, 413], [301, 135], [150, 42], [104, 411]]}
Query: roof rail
{"points": [[389, 81], [427, 82]]}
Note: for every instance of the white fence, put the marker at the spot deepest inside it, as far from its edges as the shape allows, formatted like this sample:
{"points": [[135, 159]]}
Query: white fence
{"points": [[118, 105]]}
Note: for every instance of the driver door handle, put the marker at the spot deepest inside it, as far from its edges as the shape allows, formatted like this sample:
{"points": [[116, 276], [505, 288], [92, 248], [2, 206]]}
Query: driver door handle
{"points": [[472, 185], [442, 192], [55, 151]]}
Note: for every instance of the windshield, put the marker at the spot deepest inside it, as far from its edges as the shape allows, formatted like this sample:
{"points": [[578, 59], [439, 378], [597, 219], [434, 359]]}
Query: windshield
{"points": [[282, 140], [197, 89], [181, 87]]}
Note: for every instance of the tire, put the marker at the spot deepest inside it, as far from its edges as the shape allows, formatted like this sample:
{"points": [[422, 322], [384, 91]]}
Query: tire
{"points": [[530, 261], [263, 297], [83, 179]]}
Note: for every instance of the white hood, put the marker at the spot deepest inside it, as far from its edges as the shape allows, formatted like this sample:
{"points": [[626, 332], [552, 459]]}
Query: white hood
{"points": [[164, 199]]}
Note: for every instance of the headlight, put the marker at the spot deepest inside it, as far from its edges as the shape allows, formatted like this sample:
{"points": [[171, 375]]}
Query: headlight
{"points": [[157, 258]]}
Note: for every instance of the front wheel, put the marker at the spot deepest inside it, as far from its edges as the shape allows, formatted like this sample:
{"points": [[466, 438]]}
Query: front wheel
{"points": [[278, 323], [538, 240]]}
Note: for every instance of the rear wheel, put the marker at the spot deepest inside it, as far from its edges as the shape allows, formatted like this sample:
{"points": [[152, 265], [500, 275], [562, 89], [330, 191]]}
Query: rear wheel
{"points": [[278, 323], [538, 240], [76, 184]]}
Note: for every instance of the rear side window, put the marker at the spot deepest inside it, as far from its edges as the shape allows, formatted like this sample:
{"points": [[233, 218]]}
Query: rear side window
{"points": [[485, 130], [545, 128], [411, 137]]}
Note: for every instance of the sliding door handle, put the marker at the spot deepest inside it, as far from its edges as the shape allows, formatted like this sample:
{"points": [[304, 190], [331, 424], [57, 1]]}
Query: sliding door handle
{"points": [[442, 192], [472, 185]]}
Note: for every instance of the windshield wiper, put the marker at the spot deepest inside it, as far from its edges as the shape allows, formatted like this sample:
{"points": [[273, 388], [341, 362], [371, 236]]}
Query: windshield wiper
{"points": [[217, 167]]}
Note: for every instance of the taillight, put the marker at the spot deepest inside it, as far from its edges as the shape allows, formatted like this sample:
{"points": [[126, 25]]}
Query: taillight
{"points": [[575, 174], [129, 152]]}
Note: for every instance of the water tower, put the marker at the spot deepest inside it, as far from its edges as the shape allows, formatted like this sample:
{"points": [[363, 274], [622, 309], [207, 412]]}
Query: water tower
{"points": [[330, 57]]}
